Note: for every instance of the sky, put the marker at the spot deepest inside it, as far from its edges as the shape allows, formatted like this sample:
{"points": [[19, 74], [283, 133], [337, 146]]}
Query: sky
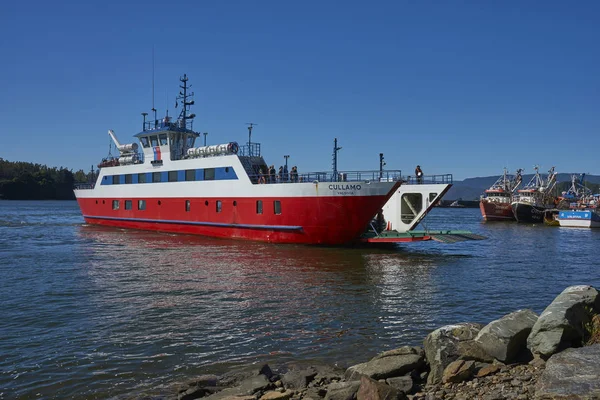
{"points": [[460, 87]]}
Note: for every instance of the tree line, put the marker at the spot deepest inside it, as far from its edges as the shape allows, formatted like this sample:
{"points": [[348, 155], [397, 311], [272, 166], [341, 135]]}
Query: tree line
{"points": [[27, 181]]}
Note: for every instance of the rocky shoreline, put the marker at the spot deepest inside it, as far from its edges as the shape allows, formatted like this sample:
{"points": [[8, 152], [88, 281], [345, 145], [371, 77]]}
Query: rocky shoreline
{"points": [[555, 355]]}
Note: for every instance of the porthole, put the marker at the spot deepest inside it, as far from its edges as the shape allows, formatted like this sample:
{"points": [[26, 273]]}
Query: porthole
{"points": [[96, 201], [159, 203], [206, 203], [103, 202], [234, 203]]}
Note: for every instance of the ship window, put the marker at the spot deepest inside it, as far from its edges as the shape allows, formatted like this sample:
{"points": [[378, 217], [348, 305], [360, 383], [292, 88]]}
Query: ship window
{"points": [[163, 139], [159, 203], [144, 141], [277, 207], [219, 206], [128, 204], [187, 205], [156, 177], [115, 204], [116, 179], [190, 174], [141, 178], [226, 169], [259, 207], [209, 174], [154, 141], [206, 203], [172, 176], [190, 141], [128, 178], [432, 196], [141, 204], [235, 203]]}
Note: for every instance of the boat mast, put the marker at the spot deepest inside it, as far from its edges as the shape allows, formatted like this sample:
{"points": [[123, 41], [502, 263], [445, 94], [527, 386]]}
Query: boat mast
{"points": [[335, 151], [183, 96]]}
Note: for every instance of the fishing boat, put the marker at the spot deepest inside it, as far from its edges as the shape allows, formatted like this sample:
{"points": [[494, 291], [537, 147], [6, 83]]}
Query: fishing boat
{"points": [[495, 203], [166, 182], [531, 202], [587, 218]]}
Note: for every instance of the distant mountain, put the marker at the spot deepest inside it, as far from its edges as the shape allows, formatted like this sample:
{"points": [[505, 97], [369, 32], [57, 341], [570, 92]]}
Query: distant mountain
{"points": [[472, 188]]}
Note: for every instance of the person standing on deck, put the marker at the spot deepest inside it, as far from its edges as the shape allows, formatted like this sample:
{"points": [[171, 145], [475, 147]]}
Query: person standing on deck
{"points": [[419, 174]]}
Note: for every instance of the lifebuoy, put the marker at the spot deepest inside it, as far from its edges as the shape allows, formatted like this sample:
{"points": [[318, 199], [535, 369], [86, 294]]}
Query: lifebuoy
{"points": [[233, 147]]}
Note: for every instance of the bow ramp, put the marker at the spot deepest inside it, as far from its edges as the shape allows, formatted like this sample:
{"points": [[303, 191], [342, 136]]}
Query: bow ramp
{"points": [[419, 236]]}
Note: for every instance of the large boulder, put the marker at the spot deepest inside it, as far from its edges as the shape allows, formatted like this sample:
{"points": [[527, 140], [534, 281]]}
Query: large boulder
{"points": [[562, 323], [571, 374], [450, 343], [391, 363], [506, 337]]}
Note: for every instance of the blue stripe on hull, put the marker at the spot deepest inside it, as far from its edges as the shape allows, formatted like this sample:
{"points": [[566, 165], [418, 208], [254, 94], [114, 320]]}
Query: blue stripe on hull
{"points": [[200, 223]]}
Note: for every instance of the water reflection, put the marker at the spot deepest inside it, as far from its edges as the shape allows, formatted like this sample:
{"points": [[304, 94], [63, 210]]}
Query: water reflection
{"points": [[231, 300]]}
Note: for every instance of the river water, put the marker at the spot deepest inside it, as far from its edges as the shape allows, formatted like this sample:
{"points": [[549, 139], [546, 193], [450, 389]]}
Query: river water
{"points": [[92, 312]]}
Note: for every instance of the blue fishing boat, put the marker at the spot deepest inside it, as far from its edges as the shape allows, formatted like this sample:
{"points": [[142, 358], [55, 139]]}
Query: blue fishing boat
{"points": [[588, 218]]}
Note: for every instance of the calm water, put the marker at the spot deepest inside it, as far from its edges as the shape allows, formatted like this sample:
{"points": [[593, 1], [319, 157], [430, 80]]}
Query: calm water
{"points": [[89, 312]]}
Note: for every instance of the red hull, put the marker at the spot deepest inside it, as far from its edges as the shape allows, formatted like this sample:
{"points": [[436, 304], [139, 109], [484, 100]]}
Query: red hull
{"points": [[308, 220], [495, 211]]}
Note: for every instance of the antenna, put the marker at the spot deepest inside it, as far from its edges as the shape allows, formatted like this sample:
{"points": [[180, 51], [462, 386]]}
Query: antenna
{"points": [[250, 126], [153, 109]]}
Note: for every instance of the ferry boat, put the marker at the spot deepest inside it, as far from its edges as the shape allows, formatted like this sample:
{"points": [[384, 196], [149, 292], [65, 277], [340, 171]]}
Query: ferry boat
{"points": [[227, 190], [495, 204], [533, 201]]}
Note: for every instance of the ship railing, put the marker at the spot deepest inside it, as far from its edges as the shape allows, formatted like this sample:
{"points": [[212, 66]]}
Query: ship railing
{"points": [[249, 150], [428, 179], [328, 176], [167, 124]]}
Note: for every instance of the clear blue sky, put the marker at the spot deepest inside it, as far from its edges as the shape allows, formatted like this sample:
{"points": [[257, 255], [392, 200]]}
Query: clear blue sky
{"points": [[458, 87]]}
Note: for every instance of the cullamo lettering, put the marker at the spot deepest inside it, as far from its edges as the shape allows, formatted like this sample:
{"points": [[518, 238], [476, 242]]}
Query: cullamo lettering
{"points": [[345, 187]]}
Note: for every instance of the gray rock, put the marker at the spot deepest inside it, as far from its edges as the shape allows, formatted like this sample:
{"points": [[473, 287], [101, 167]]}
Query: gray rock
{"points": [[389, 364], [571, 374], [504, 338], [401, 383], [247, 387], [561, 325], [299, 379], [342, 390], [449, 343]]}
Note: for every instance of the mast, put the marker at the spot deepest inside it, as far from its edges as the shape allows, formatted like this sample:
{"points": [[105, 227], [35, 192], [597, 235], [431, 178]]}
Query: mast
{"points": [[186, 104], [335, 151]]}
